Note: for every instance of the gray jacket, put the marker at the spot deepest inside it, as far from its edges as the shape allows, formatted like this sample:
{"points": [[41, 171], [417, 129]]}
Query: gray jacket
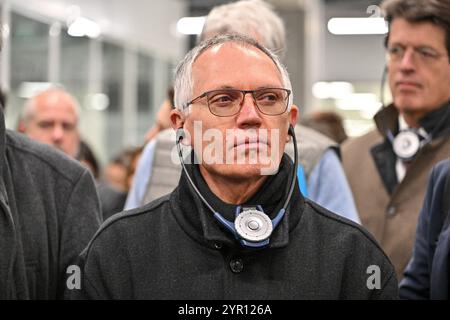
{"points": [[49, 210]]}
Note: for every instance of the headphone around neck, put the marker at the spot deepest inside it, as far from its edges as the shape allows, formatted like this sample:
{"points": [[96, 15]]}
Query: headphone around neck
{"points": [[251, 227]]}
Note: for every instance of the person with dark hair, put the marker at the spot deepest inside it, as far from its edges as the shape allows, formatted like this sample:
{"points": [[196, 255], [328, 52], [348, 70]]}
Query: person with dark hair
{"points": [[118, 170], [131, 168], [87, 157], [115, 173], [3, 100], [111, 200], [415, 11], [388, 168], [427, 275], [327, 122]]}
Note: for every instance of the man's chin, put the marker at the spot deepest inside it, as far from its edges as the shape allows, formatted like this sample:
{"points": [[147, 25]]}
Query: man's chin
{"points": [[407, 97], [244, 171], [408, 104]]}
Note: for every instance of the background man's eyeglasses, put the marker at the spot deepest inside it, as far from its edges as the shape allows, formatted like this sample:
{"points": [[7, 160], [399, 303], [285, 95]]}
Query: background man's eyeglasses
{"points": [[425, 54], [228, 102]]}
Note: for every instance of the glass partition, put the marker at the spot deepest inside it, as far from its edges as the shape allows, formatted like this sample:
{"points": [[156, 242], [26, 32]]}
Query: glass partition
{"points": [[112, 87], [28, 62], [145, 95]]}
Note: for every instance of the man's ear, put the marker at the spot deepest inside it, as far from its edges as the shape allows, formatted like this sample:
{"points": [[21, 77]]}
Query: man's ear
{"points": [[177, 119], [293, 115]]}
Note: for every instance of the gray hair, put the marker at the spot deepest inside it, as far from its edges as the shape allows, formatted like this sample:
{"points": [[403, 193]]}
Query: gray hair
{"points": [[184, 84], [250, 18], [28, 111]]}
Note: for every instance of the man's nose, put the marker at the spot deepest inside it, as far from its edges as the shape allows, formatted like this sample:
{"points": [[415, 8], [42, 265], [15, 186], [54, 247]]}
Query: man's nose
{"points": [[249, 116], [57, 133], [407, 62]]}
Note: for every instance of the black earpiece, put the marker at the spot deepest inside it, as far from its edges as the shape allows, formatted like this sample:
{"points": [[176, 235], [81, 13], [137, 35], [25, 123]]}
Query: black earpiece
{"points": [[291, 130]]}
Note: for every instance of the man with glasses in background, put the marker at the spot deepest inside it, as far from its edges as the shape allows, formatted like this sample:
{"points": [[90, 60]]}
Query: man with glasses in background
{"points": [[236, 227], [388, 168]]}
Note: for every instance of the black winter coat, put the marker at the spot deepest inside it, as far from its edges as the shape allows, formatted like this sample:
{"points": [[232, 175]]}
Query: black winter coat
{"points": [[173, 248], [427, 274]]}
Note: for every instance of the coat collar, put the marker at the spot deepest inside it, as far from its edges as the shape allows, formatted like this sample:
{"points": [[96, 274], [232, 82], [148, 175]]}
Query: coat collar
{"points": [[387, 120], [198, 221], [436, 123]]}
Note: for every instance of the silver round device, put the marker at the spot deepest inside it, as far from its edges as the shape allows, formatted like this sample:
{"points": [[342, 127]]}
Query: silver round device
{"points": [[253, 225], [406, 144]]}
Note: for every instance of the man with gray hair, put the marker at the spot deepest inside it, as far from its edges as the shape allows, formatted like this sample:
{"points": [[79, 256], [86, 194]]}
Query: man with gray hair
{"points": [[49, 210], [51, 117], [157, 175], [229, 230]]}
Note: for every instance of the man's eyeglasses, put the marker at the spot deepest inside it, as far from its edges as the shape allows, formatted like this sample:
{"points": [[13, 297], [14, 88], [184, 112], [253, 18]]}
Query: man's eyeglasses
{"points": [[425, 54], [228, 102]]}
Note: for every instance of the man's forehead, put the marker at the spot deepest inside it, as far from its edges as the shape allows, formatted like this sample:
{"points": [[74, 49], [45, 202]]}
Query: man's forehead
{"points": [[407, 31], [224, 52], [55, 101], [228, 60]]}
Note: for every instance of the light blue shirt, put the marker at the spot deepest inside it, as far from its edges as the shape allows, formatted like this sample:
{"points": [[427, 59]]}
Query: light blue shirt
{"points": [[301, 178], [327, 184], [141, 177]]}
